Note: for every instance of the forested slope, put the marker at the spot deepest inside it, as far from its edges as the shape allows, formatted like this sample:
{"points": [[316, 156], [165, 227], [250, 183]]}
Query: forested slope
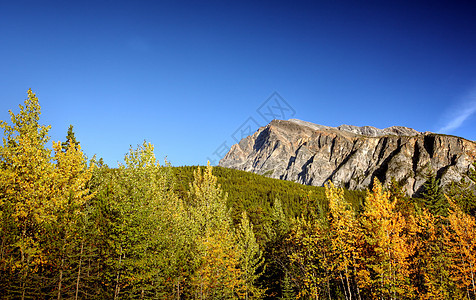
{"points": [[256, 194]]}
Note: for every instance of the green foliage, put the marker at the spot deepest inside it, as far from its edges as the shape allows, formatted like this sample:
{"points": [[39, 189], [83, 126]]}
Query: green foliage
{"points": [[463, 193], [288, 292], [252, 260], [433, 197], [142, 216], [256, 195]]}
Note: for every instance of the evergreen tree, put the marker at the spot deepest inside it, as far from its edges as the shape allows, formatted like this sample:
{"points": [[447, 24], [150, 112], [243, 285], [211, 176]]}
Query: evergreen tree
{"points": [[463, 193], [433, 197], [287, 289], [276, 254], [310, 258], [70, 139], [149, 227], [251, 261], [431, 259]]}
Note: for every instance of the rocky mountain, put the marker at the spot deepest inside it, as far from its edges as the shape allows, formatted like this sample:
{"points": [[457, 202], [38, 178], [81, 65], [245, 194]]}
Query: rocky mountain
{"points": [[351, 156]]}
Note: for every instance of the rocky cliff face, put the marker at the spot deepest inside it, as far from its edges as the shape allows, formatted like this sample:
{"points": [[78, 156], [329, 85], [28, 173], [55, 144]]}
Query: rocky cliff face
{"points": [[351, 156]]}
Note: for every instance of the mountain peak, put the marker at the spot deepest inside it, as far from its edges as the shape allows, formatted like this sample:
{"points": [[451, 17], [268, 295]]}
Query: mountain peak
{"points": [[351, 156]]}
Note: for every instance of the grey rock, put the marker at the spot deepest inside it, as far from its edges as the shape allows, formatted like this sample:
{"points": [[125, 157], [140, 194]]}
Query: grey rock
{"points": [[351, 156]]}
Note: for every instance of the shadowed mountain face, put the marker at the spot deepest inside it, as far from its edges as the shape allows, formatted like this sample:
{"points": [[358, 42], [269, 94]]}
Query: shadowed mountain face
{"points": [[351, 156]]}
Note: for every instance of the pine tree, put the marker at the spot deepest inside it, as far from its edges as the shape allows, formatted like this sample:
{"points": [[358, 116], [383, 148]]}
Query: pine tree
{"points": [[276, 255], [433, 197], [287, 289], [70, 138], [463, 193], [310, 258], [251, 261], [431, 259], [149, 216]]}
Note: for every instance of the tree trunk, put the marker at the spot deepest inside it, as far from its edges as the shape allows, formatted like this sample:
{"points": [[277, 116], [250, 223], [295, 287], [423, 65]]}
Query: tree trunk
{"points": [[355, 276], [472, 277], [348, 284], [22, 264], [60, 278], [63, 254], [79, 271], [116, 290], [343, 285]]}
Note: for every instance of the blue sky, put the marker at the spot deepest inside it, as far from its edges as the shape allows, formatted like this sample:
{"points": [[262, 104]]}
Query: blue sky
{"points": [[189, 77]]}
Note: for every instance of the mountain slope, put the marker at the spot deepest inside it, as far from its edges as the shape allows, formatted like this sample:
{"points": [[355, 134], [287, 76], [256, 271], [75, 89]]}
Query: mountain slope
{"points": [[352, 156]]}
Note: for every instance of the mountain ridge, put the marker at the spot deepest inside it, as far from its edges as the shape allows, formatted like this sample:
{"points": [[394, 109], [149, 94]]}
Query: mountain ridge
{"points": [[362, 130], [351, 156]]}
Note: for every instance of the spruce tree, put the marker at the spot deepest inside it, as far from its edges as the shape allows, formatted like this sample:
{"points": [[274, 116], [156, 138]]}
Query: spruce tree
{"points": [[287, 289], [251, 261], [70, 137], [433, 197]]}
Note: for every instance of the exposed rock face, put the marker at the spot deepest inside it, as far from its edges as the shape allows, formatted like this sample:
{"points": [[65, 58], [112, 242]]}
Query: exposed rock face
{"points": [[351, 156]]}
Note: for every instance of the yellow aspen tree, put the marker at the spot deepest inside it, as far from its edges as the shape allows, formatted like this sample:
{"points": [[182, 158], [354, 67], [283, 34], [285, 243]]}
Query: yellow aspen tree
{"points": [[461, 239], [344, 239], [70, 178], [431, 259], [385, 267], [38, 193], [217, 274], [26, 185], [310, 258]]}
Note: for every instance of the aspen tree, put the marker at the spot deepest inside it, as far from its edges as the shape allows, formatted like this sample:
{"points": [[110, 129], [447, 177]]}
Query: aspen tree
{"points": [[385, 266], [431, 259], [310, 258], [217, 274], [26, 184], [71, 176], [344, 238], [461, 239], [42, 196]]}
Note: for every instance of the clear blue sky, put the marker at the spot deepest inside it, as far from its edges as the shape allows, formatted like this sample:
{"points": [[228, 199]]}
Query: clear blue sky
{"points": [[186, 75]]}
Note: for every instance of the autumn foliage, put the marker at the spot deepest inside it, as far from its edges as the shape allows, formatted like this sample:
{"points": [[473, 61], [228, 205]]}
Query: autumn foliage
{"points": [[75, 228]]}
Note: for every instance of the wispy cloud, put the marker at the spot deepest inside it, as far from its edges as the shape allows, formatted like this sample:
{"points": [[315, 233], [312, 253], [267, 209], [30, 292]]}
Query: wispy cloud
{"points": [[461, 113]]}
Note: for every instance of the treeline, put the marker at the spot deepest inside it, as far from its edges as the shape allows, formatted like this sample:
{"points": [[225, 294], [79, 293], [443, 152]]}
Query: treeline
{"points": [[77, 229]]}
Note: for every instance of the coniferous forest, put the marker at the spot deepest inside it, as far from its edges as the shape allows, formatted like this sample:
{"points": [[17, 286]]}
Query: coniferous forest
{"points": [[74, 228]]}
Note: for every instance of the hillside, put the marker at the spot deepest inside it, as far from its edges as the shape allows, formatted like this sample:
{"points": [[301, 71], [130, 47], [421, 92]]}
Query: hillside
{"points": [[256, 194]]}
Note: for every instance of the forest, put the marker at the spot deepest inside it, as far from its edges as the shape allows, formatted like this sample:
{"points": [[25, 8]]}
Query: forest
{"points": [[72, 227]]}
